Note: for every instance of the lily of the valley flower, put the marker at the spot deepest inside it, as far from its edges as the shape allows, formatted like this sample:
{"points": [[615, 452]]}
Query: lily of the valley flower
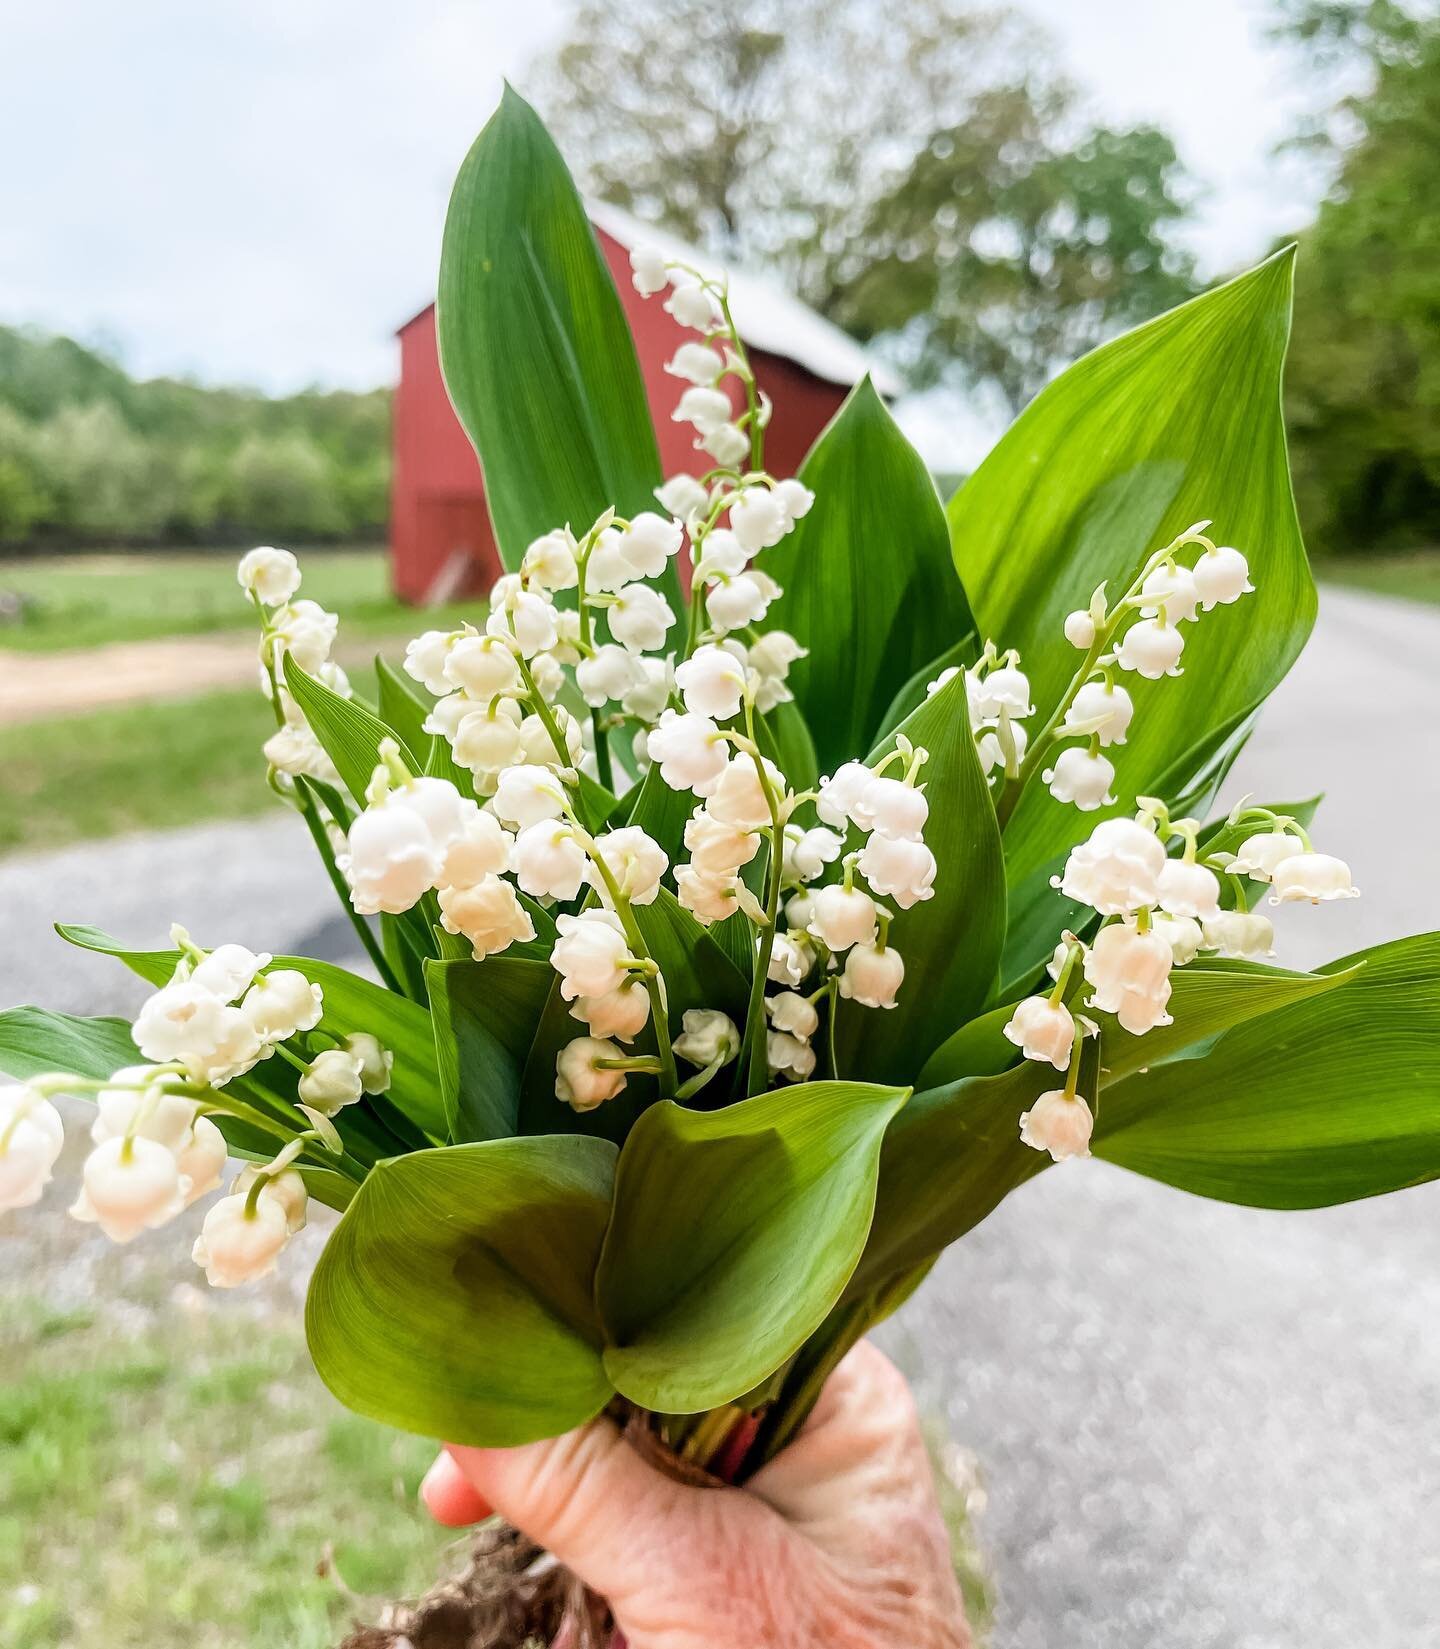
{"points": [[872, 975]]}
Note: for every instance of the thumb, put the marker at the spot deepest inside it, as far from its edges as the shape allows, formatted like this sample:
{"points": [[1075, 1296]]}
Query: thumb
{"points": [[589, 1498]]}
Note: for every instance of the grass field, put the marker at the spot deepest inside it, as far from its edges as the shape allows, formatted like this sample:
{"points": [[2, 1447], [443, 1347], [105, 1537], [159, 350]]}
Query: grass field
{"points": [[193, 1486]]}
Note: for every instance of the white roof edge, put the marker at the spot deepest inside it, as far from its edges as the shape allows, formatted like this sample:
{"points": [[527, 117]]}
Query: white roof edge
{"points": [[766, 315]]}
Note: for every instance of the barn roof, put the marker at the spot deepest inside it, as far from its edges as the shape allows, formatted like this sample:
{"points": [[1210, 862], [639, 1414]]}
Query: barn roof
{"points": [[767, 316]]}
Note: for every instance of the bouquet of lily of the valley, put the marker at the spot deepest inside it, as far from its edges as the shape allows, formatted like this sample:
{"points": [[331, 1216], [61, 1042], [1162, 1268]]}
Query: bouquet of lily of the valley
{"points": [[771, 877]]}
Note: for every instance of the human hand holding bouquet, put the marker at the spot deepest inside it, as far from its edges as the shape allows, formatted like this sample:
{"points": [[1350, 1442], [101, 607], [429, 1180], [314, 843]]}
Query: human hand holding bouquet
{"points": [[743, 941]]}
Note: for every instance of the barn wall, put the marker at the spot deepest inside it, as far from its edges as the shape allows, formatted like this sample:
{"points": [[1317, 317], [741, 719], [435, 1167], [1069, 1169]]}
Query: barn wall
{"points": [[438, 505]]}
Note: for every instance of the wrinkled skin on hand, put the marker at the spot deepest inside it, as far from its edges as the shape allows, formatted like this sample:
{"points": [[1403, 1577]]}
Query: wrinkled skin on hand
{"points": [[839, 1541]]}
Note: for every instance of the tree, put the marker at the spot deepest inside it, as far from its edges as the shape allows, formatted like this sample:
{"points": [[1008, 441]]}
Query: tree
{"points": [[1364, 378], [920, 174]]}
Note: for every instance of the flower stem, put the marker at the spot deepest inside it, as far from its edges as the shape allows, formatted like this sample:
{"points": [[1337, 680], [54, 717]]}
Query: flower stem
{"points": [[754, 1064]]}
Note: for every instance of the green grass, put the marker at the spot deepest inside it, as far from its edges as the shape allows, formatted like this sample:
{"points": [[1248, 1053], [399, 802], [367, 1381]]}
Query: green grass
{"points": [[1413, 576], [182, 1488], [87, 600]]}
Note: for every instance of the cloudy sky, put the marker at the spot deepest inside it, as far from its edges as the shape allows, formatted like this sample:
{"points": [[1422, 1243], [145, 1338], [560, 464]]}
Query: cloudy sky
{"points": [[253, 192]]}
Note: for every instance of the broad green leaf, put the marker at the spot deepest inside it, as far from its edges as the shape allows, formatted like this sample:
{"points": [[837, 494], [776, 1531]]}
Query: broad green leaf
{"points": [[35, 1040], [535, 349], [404, 704], [979, 1048], [734, 1232], [350, 734], [455, 1299], [351, 1004], [485, 1016], [914, 693], [1327, 1100], [1173, 423], [697, 974], [868, 583], [950, 942]]}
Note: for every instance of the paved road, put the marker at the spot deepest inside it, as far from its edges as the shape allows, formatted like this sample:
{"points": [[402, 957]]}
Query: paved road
{"points": [[1199, 1427]]}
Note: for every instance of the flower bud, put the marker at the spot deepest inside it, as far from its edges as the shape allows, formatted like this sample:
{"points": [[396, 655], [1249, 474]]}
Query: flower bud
{"points": [[333, 1081], [1080, 630]]}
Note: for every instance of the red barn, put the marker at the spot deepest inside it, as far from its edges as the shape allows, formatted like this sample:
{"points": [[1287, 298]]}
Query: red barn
{"points": [[441, 540]]}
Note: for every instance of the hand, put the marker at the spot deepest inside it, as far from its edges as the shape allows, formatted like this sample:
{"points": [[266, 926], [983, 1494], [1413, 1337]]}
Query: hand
{"points": [[837, 1542]]}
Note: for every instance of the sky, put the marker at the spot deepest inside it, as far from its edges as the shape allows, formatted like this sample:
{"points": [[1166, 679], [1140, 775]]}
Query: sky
{"points": [[253, 193]]}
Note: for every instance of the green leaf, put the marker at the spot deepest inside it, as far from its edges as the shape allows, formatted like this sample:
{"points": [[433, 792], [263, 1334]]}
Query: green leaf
{"points": [[868, 584], [912, 695], [785, 739], [1173, 423], [34, 1041], [951, 942], [404, 706], [733, 1234], [351, 1004], [979, 1048], [1329, 1099], [454, 1298], [350, 734], [536, 352], [485, 1017]]}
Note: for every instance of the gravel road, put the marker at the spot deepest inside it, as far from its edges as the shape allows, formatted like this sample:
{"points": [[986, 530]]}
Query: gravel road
{"points": [[1197, 1427]]}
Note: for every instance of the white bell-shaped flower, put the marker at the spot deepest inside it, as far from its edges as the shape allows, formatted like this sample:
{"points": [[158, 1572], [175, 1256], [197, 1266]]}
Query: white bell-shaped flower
{"points": [[795, 1014], [707, 1037], [31, 1138], [287, 1188], [648, 270], [1059, 1123], [1183, 934], [843, 916], [1081, 777], [1172, 588], [712, 683], [635, 860], [529, 616], [527, 794], [236, 1048], [549, 562], [180, 1021], [734, 603], [271, 575], [898, 868], [606, 674], [377, 1062], [691, 750], [724, 556], [580, 1081], [1222, 575], [1080, 629], [620, 1014], [892, 808], [296, 750], [650, 693], [872, 976], [842, 797], [717, 848], [539, 745], [683, 496], [282, 1003], [1117, 870], [768, 661], [229, 970], [1152, 649], [696, 364], [487, 913], [758, 519], [547, 860], [648, 543], [425, 658], [807, 852], [201, 1159], [239, 1244], [789, 1056], [1240, 933], [1188, 889], [1006, 688], [692, 306], [792, 955], [1261, 853], [1312, 878], [489, 738], [705, 408], [138, 1100], [481, 849], [332, 1081], [590, 954], [391, 859], [738, 796], [1129, 973], [129, 1186], [639, 618], [990, 747], [607, 569], [1102, 710], [709, 896], [1043, 1029], [794, 497], [484, 666], [306, 631]]}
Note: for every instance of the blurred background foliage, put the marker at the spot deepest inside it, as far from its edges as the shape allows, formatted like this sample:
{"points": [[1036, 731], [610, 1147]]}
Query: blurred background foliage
{"points": [[924, 176]]}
